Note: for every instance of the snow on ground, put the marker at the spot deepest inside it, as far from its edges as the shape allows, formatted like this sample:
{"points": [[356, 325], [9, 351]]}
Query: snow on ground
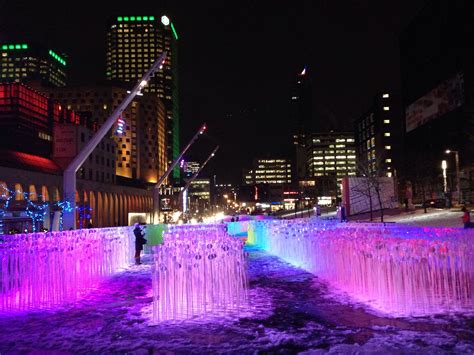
{"points": [[433, 218], [291, 311]]}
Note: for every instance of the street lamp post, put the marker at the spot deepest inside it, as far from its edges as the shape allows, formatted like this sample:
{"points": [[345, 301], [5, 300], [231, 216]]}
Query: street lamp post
{"points": [[444, 166], [458, 179]]}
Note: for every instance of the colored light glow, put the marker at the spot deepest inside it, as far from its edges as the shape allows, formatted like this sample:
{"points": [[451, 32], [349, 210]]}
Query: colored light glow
{"points": [[174, 31], [132, 18], [145, 18], [125, 18], [57, 57], [151, 18], [120, 19], [139, 18]]}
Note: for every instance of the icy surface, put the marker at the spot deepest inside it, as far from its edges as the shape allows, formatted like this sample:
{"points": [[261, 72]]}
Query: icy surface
{"points": [[292, 311]]}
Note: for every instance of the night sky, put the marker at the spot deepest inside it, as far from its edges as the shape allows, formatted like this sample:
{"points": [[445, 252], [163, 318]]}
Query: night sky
{"points": [[238, 60]]}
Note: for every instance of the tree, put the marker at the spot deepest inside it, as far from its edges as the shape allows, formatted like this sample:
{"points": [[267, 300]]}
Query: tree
{"points": [[371, 185]]}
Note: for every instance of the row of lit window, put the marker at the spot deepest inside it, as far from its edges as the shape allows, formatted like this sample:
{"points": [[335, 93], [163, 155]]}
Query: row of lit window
{"points": [[331, 140], [332, 157], [337, 162]]}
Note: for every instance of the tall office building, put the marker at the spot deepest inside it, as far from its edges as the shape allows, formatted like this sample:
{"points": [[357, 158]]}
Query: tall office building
{"points": [[378, 136], [140, 142], [134, 43], [301, 110], [28, 62], [274, 171], [331, 156]]}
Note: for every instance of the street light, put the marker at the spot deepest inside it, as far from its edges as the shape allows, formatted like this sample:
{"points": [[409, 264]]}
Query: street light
{"points": [[444, 166], [458, 181]]}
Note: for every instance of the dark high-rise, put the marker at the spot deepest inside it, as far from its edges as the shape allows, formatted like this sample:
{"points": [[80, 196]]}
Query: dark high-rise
{"points": [[301, 109], [32, 63], [134, 43], [437, 67]]}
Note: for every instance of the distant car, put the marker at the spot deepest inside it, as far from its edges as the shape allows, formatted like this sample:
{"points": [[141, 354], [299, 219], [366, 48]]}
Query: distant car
{"points": [[436, 203]]}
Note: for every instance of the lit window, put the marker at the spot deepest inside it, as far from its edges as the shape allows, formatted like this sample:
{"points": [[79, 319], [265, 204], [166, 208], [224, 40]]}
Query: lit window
{"points": [[387, 134], [385, 96], [386, 108], [388, 147], [389, 174], [388, 160], [386, 121]]}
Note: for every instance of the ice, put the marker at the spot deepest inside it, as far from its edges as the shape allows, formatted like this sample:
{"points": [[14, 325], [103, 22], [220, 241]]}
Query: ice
{"points": [[198, 271], [41, 270], [399, 270]]}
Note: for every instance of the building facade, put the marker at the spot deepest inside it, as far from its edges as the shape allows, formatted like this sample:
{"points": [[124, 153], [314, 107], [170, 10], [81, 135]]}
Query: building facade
{"points": [[273, 171], [330, 157], [199, 196], [46, 137], [141, 142], [134, 43], [437, 84], [378, 136], [29, 62]]}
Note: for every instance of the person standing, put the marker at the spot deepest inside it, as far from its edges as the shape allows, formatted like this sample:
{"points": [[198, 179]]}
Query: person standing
{"points": [[466, 217], [139, 241]]}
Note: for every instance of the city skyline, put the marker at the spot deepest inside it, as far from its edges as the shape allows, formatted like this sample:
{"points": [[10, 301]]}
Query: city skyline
{"points": [[220, 85]]}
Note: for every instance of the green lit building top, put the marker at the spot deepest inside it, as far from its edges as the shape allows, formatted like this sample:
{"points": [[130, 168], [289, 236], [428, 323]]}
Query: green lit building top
{"points": [[133, 45], [27, 62]]}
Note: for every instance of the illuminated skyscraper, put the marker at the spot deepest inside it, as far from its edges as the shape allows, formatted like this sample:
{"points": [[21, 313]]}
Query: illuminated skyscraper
{"points": [[27, 62], [133, 45]]}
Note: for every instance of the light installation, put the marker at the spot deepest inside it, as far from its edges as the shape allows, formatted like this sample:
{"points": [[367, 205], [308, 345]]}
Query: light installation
{"points": [[199, 271], [44, 270], [398, 270]]}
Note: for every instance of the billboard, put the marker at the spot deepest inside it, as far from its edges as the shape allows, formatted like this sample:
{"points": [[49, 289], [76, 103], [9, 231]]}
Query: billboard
{"points": [[444, 98], [358, 191]]}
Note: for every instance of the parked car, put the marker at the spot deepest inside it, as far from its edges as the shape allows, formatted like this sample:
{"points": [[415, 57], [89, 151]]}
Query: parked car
{"points": [[436, 203]]}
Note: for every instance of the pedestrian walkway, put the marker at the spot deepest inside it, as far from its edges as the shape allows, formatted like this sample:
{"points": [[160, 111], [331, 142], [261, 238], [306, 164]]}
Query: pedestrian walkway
{"points": [[291, 311]]}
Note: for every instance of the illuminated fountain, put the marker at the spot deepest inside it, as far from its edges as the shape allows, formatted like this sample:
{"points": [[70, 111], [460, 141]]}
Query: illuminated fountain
{"points": [[42, 270], [199, 271], [400, 270]]}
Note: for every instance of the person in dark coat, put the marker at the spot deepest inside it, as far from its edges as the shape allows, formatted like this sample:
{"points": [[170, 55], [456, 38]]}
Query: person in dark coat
{"points": [[139, 241]]}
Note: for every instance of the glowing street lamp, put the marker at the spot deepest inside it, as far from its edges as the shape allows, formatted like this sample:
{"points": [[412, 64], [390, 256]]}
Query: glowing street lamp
{"points": [[458, 180], [444, 166]]}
